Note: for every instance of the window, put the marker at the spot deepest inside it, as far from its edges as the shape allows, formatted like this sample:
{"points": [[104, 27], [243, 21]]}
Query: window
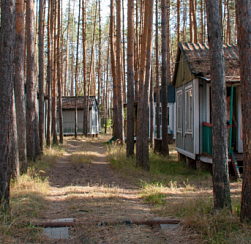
{"points": [[179, 111], [189, 110]]}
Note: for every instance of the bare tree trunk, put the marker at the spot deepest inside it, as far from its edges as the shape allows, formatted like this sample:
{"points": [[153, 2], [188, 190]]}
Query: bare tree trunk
{"points": [[67, 52], [41, 74], [136, 51], [19, 85], [85, 113], [221, 188], [55, 75], [76, 75], [130, 79], [59, 66], [7, 43], [178, 21], [193, 5], [114, 75], [120, 110], [151, 110], [142, 150], [123, 59], [99, 55], [49, 78], [157, 73], [31, 88], [243, 16], [164, 78]]}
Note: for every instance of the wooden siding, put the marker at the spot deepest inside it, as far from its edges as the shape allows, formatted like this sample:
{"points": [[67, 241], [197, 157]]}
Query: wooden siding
{"points": [[184, 74]]}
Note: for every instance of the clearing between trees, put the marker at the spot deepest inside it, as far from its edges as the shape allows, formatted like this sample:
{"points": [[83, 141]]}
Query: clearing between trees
{"points": [[82, 184]]}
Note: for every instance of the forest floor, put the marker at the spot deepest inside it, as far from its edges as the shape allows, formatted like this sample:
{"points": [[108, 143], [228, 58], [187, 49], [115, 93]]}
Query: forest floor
{"points": [[83, 185]]}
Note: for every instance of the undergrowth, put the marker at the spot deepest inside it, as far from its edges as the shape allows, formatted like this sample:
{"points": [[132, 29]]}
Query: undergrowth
{"points": [[28, 200], [178, 191]]}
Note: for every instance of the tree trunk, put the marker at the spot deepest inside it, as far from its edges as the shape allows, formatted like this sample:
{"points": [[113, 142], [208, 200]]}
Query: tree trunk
{"points": [[113, 65], [157, 73], [7, 43], [31, 88], [164, 78], [41, 74], [218, 94], [19, 85], [130, 79], [85, 113], [59, 67], [66, 91], [99, 54], [243, 16], [76, 75], [178, 21], [151, 111], [142, 149], [49, 32], [55, 75], [120, 110]]}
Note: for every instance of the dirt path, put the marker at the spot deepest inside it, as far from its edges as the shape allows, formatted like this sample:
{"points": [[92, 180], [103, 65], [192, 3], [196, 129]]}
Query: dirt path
{"points": [[84, 186]]}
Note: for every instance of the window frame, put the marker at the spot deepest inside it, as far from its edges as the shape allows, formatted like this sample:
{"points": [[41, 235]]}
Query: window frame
{"points": [[179, 113], [189, 110]]}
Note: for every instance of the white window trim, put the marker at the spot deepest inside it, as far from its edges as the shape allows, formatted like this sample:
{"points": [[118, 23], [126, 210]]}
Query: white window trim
{"points": [[188, 88], [179, 93]]}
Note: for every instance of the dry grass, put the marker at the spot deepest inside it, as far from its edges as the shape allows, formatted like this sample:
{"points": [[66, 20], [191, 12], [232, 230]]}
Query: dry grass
{"points": [[174, 190], [27, 201]]}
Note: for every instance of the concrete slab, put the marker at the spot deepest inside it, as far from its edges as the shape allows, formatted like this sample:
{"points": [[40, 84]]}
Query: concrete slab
{"points": [[57, 233]]}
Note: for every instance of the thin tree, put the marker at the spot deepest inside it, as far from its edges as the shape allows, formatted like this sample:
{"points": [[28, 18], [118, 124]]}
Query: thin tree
{"points": [[243, 16], [221, 190], [113, 67], [85, 113], [120, 111], [59, 71], [49, 78], [130, 79], [99, 52], [157, 71], [19, 85], [164, 78], [76, 75], [41, 74], [7, 43]]}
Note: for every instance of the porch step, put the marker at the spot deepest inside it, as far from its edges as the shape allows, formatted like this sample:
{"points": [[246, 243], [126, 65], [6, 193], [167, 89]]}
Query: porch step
{"points": [[235, 166]]}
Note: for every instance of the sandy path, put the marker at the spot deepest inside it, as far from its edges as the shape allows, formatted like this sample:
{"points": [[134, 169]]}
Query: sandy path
{"points": [[93, 192]]}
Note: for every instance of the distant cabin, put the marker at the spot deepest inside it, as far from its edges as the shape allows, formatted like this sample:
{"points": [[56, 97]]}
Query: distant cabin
{"points": [[68, 108], [171, 106], [192, 80]]}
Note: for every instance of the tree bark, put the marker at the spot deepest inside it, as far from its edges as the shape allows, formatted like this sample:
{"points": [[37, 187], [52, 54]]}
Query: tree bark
{"points": [[164, 78], [243, 16], [130, 79], [59, 68], [7, 43], [76, 75], [157, 72], [49, 33], [120, 110], [31, 88], [142, 149], [41, 74], [114, 75], [85, 113], [221, 188], [19, 85]]}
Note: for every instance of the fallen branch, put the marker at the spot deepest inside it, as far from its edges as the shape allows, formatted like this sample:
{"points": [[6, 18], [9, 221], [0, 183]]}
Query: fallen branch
{"points": [[127, 222]]}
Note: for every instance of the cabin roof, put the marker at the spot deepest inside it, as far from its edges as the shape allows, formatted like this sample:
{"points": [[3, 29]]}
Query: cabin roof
{"points": [[197, 57], [68, 103]]}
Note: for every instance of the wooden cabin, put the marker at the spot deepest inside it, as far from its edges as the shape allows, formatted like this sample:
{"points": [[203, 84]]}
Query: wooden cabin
{"points": [[192, 80], [68, 108]]}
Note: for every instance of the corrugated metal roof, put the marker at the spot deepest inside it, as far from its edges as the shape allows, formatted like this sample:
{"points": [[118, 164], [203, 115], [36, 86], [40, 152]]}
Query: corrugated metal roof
{"points": [[69, 102], [197, 56]]}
